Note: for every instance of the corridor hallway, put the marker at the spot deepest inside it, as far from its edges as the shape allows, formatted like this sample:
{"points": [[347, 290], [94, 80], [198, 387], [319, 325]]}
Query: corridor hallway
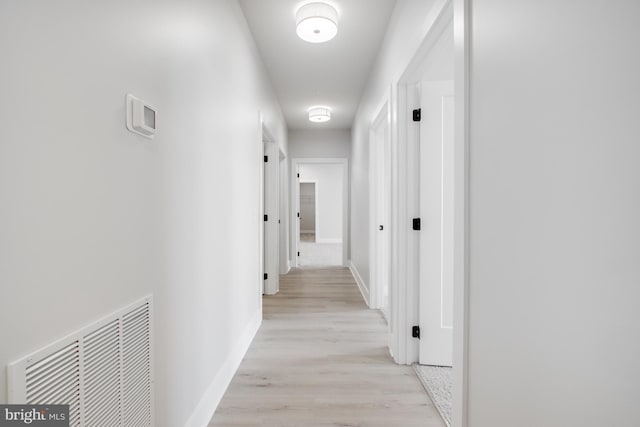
{"points": [[321, 359]]}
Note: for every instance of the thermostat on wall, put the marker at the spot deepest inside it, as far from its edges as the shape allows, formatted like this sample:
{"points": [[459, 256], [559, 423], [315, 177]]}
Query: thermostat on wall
{"points": [[141, 117]]}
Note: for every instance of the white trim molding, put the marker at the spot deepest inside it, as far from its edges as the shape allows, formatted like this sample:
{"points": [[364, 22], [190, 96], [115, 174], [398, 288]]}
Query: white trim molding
{"points": [[361, 285]]}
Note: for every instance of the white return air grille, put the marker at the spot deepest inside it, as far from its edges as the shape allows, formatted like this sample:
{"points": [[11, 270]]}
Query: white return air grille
{"points": [[104, 371]]}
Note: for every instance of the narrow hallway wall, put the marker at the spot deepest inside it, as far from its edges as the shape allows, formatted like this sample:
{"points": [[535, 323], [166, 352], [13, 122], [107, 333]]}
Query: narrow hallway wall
{"points": [[94, 217], [320, 143]]}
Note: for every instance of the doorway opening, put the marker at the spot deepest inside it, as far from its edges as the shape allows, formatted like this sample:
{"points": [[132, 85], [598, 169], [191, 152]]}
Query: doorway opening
{"points": [[308, 211], [320, 210], [320, 198]]}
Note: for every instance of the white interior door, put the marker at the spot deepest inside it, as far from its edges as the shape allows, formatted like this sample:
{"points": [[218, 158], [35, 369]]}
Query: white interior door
{"points": [[381, 206], [383, 201], [296, 172], [271, 214], [265, 233], [436, 235]]}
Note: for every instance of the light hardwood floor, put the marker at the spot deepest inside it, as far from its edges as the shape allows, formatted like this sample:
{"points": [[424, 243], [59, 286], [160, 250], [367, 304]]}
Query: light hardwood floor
{"points": [[321, 359]]}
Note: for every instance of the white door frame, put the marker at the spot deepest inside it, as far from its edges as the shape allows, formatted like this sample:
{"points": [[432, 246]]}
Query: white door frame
{"points": [[380, 244], [271, 212], [295, 203], [405, 179]]}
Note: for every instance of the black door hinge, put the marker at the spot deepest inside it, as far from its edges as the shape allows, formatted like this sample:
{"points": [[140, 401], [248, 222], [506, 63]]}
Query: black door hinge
{"points": [[417, 115], [415, 332], [266, 276], [298, 253], [266, 217], [381, 228], [298, 214], [416, 223], [266, 159], [298, 175], [278, 221]]}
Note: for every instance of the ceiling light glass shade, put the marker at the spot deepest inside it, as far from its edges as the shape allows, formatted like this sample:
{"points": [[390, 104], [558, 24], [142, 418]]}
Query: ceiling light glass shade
{"points": [[317, 22], [319, 114]]}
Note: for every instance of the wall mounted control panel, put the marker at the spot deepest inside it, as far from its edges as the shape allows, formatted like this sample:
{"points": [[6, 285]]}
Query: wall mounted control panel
{"points": [[142, 118]]}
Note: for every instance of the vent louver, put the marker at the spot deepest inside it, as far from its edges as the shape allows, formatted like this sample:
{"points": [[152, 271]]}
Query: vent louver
{"points": [[136, 369], [102, 376], [56, 379], [104, 372]]}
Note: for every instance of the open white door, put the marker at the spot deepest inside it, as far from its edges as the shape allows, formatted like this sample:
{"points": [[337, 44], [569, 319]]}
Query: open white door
{"points": [[296, 208], [380, 181], [383, 220], [265, 234], [271, 215], [437, 215]]}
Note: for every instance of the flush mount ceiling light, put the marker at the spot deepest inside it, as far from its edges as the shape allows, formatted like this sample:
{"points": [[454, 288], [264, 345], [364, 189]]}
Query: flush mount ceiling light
{"points": [[317, 22], [319, 114]]}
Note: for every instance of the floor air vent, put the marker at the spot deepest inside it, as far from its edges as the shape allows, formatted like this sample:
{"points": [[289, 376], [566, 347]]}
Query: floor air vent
{"points": [[104, 372]]}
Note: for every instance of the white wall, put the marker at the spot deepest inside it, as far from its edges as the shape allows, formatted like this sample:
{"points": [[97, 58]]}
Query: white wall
{"points": [[319, 143], [554, 332], [94, 217], [329, 197], [407, 28]]}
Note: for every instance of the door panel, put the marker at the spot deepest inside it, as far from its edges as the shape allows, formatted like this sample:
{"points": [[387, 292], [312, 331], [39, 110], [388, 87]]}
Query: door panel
{"points": [[384, 206], [436, 236], [380, 174]]}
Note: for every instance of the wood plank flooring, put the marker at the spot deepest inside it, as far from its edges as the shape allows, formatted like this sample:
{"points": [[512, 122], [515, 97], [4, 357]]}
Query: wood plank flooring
{"points": [[321, 359]]}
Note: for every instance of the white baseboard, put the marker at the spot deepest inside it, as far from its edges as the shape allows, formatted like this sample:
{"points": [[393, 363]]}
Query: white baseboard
{"points": [[328, 240], [212, 397], [364, 290]]}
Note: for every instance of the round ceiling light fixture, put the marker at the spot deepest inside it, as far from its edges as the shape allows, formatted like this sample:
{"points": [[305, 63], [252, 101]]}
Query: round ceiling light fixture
{"points": [[317, 22], [319, 114]]}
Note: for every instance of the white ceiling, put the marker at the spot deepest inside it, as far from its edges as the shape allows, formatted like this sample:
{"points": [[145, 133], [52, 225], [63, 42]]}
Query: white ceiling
{"points": [[331, 74]]}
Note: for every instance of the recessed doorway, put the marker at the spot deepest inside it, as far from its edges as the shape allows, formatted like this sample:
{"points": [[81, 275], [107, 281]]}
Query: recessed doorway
{"points": [[320, 210], [308, 212]]}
